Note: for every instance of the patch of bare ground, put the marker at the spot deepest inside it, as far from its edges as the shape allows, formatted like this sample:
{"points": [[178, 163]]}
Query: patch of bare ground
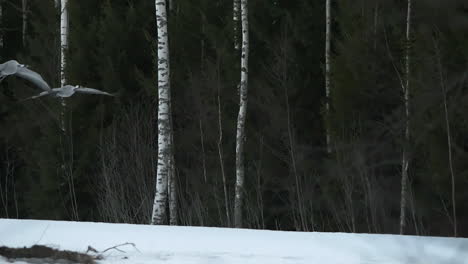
{"points": [[44, 254]]}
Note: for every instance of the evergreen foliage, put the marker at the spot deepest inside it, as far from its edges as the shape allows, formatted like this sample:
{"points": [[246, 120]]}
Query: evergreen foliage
{"points": [[355, 188]]}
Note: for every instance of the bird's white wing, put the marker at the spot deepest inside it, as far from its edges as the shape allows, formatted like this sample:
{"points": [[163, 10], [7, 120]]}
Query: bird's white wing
{"points": [[91, 91], [33, 77]]}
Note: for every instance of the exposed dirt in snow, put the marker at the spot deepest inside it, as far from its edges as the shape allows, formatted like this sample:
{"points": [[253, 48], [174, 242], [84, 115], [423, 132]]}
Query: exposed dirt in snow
{"points": [[45, 254]]}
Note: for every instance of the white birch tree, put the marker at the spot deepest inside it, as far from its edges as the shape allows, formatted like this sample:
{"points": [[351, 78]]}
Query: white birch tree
{"points": [[66, 141], [63, 50], [240, 135], [406, 142], [327, 71], [164, 117], [235, 20], [63, 39]]}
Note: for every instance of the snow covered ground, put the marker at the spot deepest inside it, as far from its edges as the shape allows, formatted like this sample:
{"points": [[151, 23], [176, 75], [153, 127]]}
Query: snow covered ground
{"points": [[201, 245]]}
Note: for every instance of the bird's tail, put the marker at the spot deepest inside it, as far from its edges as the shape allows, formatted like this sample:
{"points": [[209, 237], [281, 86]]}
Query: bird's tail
{"points": [[26, 99], [35, 96]]}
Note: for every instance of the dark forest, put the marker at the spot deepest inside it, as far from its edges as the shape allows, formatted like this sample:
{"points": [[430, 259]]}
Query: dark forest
{"points": [[103, 167]]}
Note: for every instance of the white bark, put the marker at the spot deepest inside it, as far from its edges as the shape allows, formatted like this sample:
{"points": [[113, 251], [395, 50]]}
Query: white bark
{"points": [[235, 20], [65, 141], [63, 39], [405, 155], [164, 126], [24, 7], [327, 73], [63, 50], [240, 137]]}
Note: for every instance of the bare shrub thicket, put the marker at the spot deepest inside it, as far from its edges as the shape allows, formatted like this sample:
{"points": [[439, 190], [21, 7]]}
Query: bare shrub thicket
{"points": [[126, 181], [8, 195], [359, 196]]}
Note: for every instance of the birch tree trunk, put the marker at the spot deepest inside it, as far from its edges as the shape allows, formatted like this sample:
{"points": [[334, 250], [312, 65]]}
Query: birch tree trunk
{"points": [[240, 137], [327, 73], [25, 20], [63, 39], [235, 20], [63, 49], [66, 141], [405, 155], [164, 124]]}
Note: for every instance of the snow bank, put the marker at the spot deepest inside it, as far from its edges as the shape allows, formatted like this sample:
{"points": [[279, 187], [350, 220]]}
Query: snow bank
{"points": [[183, 245]]}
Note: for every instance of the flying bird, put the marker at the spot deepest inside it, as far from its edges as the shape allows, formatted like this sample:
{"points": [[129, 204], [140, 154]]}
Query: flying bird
{"points": [[12, 67], [69, 90]]}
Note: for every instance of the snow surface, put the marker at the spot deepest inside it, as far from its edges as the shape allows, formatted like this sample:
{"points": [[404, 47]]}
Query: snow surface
{"points": [[205, 245]]}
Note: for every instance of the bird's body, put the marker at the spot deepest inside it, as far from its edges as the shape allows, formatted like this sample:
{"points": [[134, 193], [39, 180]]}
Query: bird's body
{"points": [[69, 90], [65, 91], [9, 67], [12, 67]]}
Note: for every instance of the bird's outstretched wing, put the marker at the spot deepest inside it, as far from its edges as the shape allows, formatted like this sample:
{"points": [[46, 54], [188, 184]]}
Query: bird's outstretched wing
{"points": [[91, 91], [39, 95], [33, 77]]}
